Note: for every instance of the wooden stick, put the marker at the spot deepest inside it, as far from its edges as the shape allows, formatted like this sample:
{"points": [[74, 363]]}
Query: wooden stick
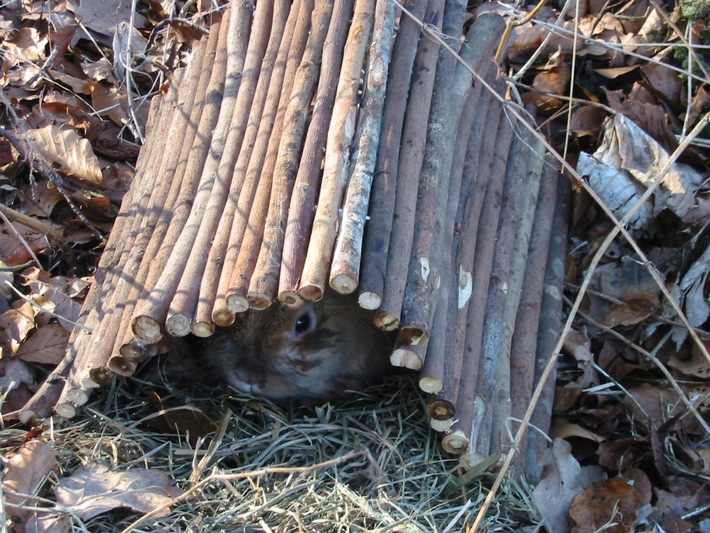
{"points": [[406, 354], [302, 208], [339, 144], [377, 237], [161, 226], [551, 320], [443, 374], [149, 316], [250, 163], [433, 231], [245, 104], [231, 230], [251, 243], [524, 342], [345, 268], [431, 377], [522, 179], [500, 136], [410, 165], [264, 282], [77, 357], [184, 303]]}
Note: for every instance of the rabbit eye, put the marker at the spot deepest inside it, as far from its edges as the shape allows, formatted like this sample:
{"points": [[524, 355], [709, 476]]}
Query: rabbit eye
{"points": [[305, 323]]}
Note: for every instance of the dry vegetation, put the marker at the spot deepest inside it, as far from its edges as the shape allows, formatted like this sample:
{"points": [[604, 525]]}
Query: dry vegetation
{"points": [[632, 399]]}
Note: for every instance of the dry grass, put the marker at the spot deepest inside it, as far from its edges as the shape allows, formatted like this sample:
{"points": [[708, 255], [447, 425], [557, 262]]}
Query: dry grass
{"points": [[371, 464]]}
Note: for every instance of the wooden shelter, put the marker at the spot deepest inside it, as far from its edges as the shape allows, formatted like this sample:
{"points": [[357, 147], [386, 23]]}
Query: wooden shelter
{"points": [[435, 201]]}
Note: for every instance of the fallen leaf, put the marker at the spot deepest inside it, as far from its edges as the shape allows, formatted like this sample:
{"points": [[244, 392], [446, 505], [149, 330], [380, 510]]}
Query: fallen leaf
{"points": [[57, 290], [25, 474], [627, 161], [71, 153], [562, 479], [15, 325], [13, 251], [611, 504], [186, 420], [634, 309], [587, 121], [95, 489], [664, 81], [653, 404], [46, 345]]}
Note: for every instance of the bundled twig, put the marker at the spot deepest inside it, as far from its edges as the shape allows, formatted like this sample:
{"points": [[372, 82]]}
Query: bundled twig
{"points": [[219, 164], [494, 151], [377, 238], [522, 181], [264, 282], [345, 268], [409, 169], [339, 145], [300, 213], [150, 314], [550, 321], [96, 306], [247, 112], [263, 159], [246, 174]]}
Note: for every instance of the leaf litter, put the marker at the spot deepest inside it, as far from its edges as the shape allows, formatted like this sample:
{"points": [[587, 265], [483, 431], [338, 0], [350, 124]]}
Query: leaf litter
{"points": [[628, 451]]}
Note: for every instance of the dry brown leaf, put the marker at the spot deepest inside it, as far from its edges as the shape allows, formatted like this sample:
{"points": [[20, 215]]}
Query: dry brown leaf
{"points": [[71, 153], [95, 489], [46, 345], [109, 101], [665, 82], [697, 365], [634, 309], [25, 474], [102, 16], [562, 428], [15, 325], [562, 479], [658, 403], [12, 251], [57, 290], [554, 80], [587, 121], [612, 504], [626, 163], [27, 45]]}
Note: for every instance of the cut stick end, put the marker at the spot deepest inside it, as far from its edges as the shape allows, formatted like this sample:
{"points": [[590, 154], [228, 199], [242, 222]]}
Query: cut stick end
{"points": [[387, 321], [147, 329], [100, 376], [405, 358], [441, 409], [431, 384], [132, 351], [65, 410], [202, 329], [369, 300], [311, 292], [258, 301], [290, 298], [121, 366], [178, 325], [77, 396], [442, 426], [455, 443], [29, 417], [344, 283], [223, 317], [415, 335], [237, 303]]}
